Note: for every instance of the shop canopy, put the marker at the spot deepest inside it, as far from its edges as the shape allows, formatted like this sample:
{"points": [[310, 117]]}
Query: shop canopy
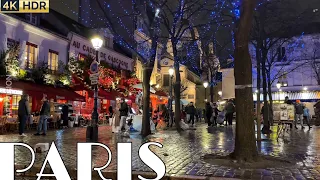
{"points": [[102, 94], [37, 90]]}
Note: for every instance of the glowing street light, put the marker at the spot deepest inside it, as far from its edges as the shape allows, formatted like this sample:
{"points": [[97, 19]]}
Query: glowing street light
{"points": [[205, 85], [171, 71], [278, 85], [96, 43]]}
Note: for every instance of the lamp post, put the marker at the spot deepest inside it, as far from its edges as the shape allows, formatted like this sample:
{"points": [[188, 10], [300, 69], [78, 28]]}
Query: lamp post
{"points": [[92, 131], [279, 86], [205, 85], [171, 71]]}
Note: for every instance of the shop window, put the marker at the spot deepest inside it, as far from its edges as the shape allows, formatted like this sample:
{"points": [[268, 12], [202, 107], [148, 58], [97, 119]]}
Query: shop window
{"points": [[166, 80], [81, 57], [15, 101], [32, 18], [11, 43], [31, 55], [53, 59]]}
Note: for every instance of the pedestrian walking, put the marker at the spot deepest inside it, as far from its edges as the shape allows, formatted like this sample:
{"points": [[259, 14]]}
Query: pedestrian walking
{"points": [[208, 113], [191, 112], [123, 117], [186, 109], [299, 114], [23, 113], [215, 113], [44, 115], [230, 109], [116, 119], [306, 115]]}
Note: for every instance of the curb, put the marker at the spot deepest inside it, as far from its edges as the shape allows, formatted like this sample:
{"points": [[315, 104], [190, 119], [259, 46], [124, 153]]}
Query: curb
{"points": [[113, 175]]}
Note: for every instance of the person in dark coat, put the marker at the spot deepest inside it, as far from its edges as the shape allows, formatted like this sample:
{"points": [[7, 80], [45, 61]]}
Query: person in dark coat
{"points": [[65, 114], [208, 113], [23, 113], [191, 110], [230, 109], [110, 111], [44, 115], [124, 109]]}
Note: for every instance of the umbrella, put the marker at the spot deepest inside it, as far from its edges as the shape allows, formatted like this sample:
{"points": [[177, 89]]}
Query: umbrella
{"points": [[182, 102], [139, 86]]}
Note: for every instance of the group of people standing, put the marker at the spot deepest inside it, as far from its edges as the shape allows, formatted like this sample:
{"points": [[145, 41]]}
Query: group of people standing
{"points": [[24, 114], [119, 117], [301, 113], [212, 113]]}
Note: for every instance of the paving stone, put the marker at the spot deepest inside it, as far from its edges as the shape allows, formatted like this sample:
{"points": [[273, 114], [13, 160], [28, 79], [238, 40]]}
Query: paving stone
{"points": [[185, 151]]}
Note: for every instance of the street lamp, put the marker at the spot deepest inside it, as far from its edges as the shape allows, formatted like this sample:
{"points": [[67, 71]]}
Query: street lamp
{"points": [[92, 131], [278, 85], [205, 85], [171, 71]]}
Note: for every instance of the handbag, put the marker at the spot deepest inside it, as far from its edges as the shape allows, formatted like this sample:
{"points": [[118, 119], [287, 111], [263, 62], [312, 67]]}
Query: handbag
{"points": [[30, 119]]}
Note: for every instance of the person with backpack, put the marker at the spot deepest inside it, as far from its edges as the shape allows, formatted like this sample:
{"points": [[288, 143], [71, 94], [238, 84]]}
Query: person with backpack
{"points": [[23, 113]]}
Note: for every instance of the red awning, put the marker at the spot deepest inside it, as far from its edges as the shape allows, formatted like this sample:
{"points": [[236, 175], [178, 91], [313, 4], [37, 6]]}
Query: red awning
{"points": [[102, 94], [37, 90]]}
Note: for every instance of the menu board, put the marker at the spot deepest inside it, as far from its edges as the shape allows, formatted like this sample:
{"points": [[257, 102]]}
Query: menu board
{"points": [[283, 112]]}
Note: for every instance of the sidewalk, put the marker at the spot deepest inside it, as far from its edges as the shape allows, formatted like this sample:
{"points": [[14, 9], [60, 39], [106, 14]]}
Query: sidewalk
{"points": [[182, 153]]}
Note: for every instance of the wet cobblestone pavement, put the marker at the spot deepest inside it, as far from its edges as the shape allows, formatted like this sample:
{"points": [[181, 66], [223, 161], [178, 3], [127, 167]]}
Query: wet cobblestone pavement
{"points": [[182, 153]]}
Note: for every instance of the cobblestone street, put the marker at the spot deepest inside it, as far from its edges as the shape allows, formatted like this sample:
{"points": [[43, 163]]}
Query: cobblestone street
{"points": [[182, 153]]}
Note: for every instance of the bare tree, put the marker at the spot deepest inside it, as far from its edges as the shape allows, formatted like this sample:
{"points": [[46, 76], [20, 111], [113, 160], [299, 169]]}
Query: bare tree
{"points": [[273, 27], [179, 19], [210, 67], [151, 23], [315, 61]]}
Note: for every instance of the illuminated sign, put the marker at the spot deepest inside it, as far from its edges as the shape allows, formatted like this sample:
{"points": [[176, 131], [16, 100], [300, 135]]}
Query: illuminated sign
{"points": [[10, 91], [24, 6]]}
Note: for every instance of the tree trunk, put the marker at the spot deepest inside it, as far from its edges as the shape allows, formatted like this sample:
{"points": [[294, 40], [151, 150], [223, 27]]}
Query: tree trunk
{"points": [[258, 57], [177, 87], [145, 129], [211, 88], [266, 125], [270, 98], [245, 141]]}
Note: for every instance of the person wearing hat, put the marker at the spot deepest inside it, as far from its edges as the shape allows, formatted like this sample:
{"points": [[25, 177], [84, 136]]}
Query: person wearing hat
{"points": [[299, 114]]}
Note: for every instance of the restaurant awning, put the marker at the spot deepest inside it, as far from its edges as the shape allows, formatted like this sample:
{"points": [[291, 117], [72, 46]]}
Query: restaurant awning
{"points": [[102, 94], [302, 95], [37, 90]]}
